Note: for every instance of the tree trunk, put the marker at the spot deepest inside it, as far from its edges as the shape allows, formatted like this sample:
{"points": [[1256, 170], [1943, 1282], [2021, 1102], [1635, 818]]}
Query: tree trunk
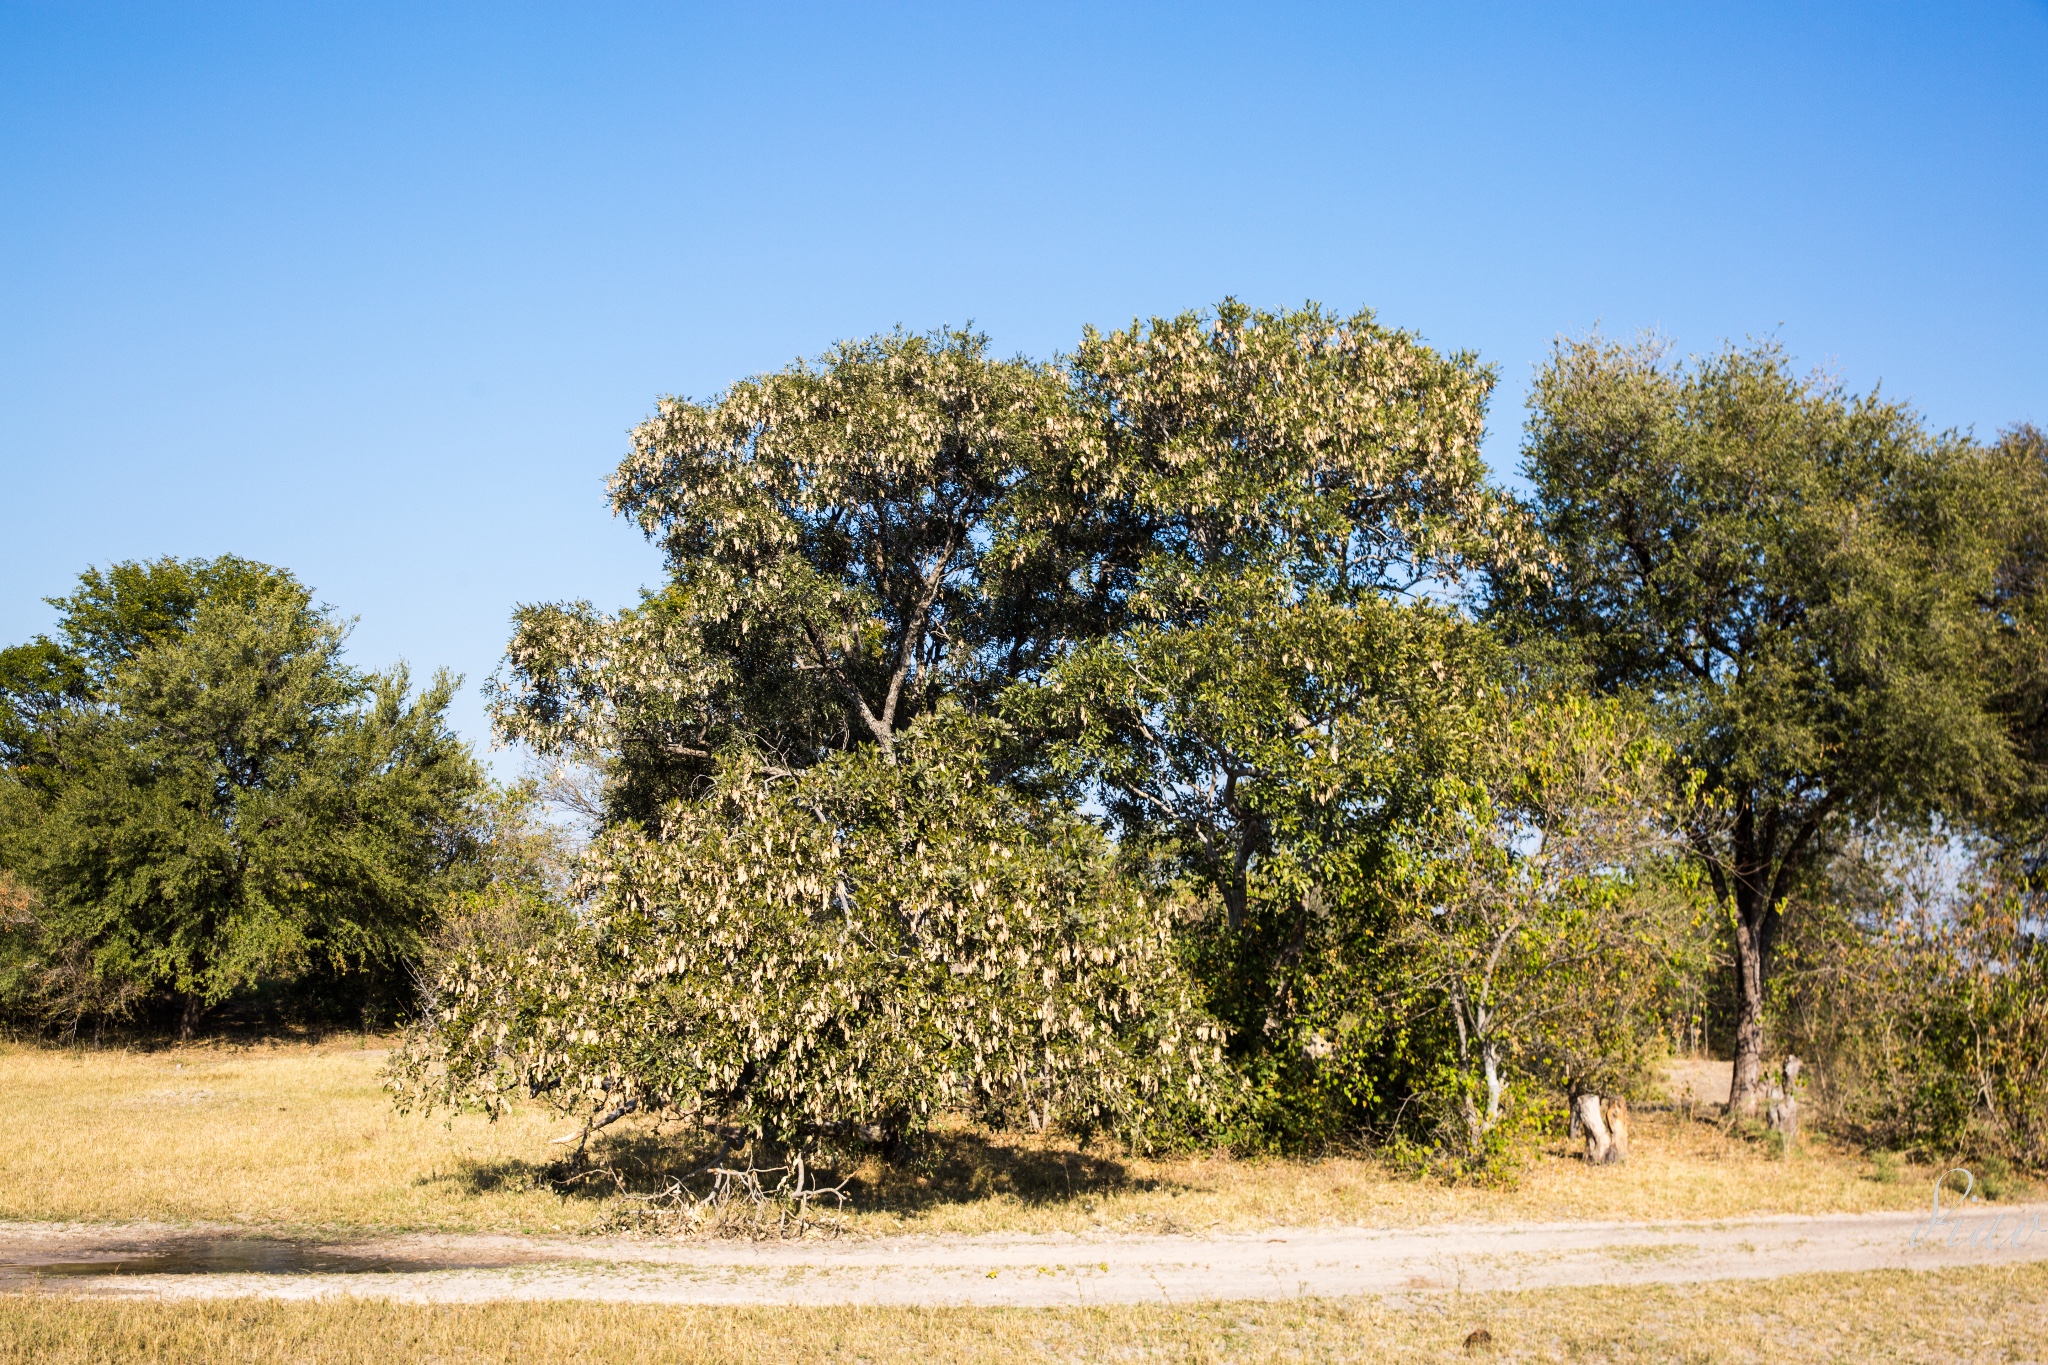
{"points": [[188, 1018], [1489, 1053], [1746, 1087]]}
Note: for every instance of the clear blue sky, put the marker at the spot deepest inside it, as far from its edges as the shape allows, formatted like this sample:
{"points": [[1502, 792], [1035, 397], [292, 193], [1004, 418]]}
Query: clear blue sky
{"points": [[376, 292]]}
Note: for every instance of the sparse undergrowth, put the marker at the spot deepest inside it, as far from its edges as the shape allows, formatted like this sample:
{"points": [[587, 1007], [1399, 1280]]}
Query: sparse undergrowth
{"points": [[1978, 1314], [291, 1136]]}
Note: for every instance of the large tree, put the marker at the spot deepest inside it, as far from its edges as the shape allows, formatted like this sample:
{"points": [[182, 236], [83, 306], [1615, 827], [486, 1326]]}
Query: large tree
{"points": [[205, 797], [1794, 575], [837, 957], [826, 529], [1266, 503]]}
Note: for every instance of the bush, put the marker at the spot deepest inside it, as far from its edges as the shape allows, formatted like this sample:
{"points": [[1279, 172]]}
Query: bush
{"points": [[832, 959], [1929, 1018]]}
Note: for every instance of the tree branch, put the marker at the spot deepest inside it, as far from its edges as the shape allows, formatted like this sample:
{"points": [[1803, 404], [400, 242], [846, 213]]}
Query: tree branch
{"points": [[914, 625]]}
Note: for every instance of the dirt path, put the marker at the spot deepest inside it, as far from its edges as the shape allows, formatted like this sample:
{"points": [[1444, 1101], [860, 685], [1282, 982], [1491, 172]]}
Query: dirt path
{"points": [[1017, 1270]]}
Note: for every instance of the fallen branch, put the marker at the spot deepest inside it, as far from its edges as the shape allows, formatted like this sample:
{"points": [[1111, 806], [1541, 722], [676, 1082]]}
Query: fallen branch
{"points": [[737, 1204]]}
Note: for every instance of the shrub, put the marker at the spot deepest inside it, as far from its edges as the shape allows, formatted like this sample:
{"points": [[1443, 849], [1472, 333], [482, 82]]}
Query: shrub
{"points": [[832, 958], [1928, 1015]]}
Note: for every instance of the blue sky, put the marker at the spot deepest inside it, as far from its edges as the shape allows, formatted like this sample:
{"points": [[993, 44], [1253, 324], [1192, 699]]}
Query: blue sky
{"points": [[376, 292]]}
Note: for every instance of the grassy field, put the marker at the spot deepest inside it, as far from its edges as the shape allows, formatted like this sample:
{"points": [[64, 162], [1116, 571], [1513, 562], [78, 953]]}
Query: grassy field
{"points": [[289, 1136], [1946, 1316]]}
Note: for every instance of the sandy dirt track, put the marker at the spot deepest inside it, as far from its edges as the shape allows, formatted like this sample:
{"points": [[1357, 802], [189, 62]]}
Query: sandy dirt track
{"points": [[1018, 1270]]}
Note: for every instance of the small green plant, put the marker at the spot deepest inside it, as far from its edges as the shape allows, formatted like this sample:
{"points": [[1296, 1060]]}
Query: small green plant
{"points": [[1750, 1130], [1884, 1167], [1996, 1179]]}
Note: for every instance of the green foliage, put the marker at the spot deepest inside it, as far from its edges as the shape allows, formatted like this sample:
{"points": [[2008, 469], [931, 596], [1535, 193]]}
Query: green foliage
{"points": [[1538, 912], [1928, 1010], [1793, 576], [1269, 760], [224, 802], [1251, 492], [1156, 654], [2019, 606], [1103, 746], [1198, 572], [1343, 454], [825, 529], [39, 682], [835, 958]]}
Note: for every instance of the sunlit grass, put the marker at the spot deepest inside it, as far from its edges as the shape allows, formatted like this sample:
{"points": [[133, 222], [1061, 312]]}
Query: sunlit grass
{"points": [[284, 1134], [296, 1136]]}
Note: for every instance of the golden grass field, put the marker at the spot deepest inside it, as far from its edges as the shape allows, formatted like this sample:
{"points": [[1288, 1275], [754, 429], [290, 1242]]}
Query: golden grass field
{"points": [[298, 1137], [294, 1137], [1944, 1316]]}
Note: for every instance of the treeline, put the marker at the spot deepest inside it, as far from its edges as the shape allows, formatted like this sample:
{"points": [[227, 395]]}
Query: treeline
{"points": [[1183, 740]]}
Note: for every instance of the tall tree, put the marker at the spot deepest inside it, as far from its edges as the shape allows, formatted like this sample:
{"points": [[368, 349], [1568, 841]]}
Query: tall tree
{"points": [[1262, 504], [223, 801], [1794, 576], [825, 529]]}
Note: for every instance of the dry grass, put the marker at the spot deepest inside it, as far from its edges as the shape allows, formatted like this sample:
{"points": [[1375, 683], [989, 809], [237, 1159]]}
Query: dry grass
{"points": [[292, 1136], [284, 1134], [1975, 1315]]}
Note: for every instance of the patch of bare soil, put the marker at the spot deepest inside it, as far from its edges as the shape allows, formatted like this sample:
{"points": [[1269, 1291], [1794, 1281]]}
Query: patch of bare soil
{"points": [[1017, 1270], [1698, 1080]]}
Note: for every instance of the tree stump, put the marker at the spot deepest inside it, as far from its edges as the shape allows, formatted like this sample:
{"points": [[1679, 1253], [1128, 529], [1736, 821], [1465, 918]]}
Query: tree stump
{"points": [[1614, 1110], [1587, 1117], [1603, 1121], [1783, 1111], [1783, 1116]]}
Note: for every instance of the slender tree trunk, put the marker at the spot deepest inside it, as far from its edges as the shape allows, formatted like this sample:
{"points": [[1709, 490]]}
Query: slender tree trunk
{"points": [[1745, 1088], [188, 1018], [1489, 1054]]}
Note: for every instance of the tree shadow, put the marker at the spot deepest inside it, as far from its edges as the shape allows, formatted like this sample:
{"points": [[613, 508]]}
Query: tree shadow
{"points": [[629, 1162], [952, 1166], [964, 1167]]}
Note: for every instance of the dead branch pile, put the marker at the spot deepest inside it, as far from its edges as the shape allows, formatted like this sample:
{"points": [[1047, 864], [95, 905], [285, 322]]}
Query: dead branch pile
{"points": [[735, 1204]]}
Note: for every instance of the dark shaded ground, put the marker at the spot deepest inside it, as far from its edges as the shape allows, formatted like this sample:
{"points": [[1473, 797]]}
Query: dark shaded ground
{"points": [[25, 1266], [944, 1168]]}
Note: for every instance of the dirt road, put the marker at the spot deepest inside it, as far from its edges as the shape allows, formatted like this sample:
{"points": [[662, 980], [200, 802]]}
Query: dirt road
{"points": [[1015, 1270]]}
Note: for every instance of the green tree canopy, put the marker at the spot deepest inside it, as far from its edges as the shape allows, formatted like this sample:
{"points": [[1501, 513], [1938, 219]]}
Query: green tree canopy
{"points": [[1280, 500], [1794, 575], [836, 957], [825, 529], [1340, 453], [214, 799], [2020, 607]]}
